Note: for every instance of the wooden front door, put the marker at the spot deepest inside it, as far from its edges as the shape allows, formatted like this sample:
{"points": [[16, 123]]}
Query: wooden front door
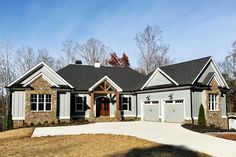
{"points": [[105, 107]]}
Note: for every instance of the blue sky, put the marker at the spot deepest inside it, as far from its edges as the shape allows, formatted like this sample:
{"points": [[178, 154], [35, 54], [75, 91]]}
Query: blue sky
{"points": [[192, 28]]}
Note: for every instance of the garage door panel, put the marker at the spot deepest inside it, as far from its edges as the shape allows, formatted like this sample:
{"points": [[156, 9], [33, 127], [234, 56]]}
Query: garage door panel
{"points": [[174, 112], [151, 112]]}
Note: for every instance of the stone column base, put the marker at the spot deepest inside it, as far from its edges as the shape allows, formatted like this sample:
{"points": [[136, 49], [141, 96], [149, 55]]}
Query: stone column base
{"points": [[64, 120], [91, 115], [18, 123], [118, 115]]}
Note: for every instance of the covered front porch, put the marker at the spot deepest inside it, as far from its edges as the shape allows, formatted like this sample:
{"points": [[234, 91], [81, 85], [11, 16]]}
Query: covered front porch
{"points": [[105, 99]]}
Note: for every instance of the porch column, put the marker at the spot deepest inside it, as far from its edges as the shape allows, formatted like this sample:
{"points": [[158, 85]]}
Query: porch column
{"points": [[118, 112], [91, 113], [117, 101]]}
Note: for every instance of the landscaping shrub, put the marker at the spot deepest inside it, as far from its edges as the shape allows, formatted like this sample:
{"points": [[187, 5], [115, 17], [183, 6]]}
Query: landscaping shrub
{"points": [[9, 123], [201, 117]]}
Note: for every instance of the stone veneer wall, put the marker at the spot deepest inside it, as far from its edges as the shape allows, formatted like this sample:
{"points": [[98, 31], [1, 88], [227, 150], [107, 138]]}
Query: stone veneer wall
{"points": [[214, 117], [40, 86]]}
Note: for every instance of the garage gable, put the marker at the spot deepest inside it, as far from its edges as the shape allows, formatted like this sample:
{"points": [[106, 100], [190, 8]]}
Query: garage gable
{"points": [[159, 78]]}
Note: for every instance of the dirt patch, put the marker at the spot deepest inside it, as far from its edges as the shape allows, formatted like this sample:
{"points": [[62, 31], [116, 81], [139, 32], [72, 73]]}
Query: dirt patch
{"points": [[197, 128], [19, 143], [226, 136]]}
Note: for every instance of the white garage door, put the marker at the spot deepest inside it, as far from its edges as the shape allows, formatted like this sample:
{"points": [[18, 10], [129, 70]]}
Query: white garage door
{"points": [[151, 110], [174, 110]]}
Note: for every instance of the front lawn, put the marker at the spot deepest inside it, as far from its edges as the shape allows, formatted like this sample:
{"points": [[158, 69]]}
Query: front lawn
{"points": [[19, 143]]}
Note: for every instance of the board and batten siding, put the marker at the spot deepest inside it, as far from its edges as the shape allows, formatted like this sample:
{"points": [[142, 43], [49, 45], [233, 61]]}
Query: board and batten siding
{"points": [[18, 105], [180, 94], [196, 102], [223, 105], [64, 105]]}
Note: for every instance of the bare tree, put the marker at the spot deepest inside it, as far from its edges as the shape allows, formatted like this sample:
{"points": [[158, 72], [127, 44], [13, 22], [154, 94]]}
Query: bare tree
{"points": [[43, 55], [7, 72], [228, 68], [7, 75], [70, 49], [25, 59], [93, 51], [152, 52]]}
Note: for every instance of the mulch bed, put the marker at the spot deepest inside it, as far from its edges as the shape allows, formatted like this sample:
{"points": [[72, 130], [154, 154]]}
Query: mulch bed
{"points": [[206, 129]]}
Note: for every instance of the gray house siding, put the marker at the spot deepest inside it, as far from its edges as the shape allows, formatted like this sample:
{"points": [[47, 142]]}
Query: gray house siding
{"points": [[223, 105], [64, 105], [180, 94], [18, 105], [158, 79], [206, 72], [196, 102]]}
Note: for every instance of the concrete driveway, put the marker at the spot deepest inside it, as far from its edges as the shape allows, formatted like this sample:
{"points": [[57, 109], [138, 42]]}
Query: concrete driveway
{"points": [[166, 133]]}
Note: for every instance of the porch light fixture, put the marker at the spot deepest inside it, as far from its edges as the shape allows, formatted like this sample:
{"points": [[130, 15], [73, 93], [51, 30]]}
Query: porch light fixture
{"points": [[148, 98], [170, 96]]}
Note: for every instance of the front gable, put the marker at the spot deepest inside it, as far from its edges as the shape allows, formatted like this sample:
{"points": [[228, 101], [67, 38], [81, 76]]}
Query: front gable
{"points": [[209, 73], [40, 70]]}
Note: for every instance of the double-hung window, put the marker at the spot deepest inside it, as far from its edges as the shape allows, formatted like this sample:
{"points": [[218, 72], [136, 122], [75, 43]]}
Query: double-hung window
{"points": [[79, 103], [213, 106], [126, 103], [40, 102]]}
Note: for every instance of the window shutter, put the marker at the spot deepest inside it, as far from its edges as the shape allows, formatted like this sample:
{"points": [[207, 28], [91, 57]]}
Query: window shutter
{"points": [[130, 104], [85, 102]]}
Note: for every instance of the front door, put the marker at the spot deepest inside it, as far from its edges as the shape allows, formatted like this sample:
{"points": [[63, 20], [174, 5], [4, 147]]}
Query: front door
{"points": [[105, 107]]}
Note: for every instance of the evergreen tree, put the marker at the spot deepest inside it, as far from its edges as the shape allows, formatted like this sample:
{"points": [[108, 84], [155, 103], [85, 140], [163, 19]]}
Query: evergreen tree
{"points": [[201, 117]]}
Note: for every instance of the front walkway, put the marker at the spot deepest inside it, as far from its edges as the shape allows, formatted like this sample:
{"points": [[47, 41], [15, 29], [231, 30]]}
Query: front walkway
{"points": [[166, 133]]}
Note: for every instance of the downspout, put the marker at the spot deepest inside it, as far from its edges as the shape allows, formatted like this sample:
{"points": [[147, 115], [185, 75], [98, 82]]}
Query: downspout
{"points": [[191, 106], [136, 107], [226, 110]]}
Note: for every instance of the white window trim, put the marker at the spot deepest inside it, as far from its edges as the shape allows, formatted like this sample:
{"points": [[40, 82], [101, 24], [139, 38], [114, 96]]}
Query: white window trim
{"points": [[44, 103], [126, 96], [76, 110], [216, 105]]}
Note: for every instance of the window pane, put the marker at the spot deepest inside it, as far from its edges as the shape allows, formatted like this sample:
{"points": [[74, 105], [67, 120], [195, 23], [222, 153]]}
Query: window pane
{"points": [[48, 98], [147, 102], [41, 98], [79, 100], [79, 107], [41, 106], [33, 106], [48, 106], [125, 100], [155, 102], [33, 98], [125, 107]]}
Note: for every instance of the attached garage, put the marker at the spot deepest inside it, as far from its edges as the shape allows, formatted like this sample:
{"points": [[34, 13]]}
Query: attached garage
{"points": [[174, 111], [151, 110]]}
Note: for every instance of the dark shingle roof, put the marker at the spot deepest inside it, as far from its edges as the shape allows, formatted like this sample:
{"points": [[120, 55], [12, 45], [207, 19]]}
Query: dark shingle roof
{"points": [[185, 73], [82, 77]]}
